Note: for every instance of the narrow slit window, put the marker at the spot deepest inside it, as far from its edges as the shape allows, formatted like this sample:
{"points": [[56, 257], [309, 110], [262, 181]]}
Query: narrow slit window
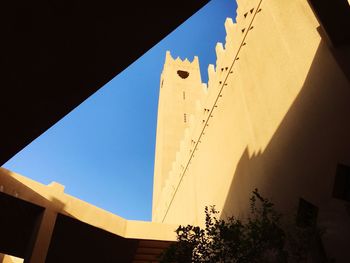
{"points": [[341, 188], [307, 214], [185, 118], [183, 95]]}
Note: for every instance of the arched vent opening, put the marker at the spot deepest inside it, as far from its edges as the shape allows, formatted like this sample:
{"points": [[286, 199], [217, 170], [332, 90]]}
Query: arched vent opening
{"points": [[183, 74]]}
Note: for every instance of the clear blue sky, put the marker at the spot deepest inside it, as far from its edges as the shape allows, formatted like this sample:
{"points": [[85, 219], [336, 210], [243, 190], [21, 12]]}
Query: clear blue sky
{"points": [[103, 151]]}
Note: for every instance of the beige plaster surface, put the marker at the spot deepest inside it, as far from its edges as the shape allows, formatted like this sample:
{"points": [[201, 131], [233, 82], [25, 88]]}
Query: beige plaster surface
{"points": [[275, 116]]}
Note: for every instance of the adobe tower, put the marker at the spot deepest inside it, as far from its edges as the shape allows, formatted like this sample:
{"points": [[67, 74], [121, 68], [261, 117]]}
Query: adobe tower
{"points": [[274, 116], [181, 91]]}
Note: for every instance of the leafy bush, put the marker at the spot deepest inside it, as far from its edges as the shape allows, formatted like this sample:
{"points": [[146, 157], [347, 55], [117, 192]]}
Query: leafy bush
{"points": [[260, 238]]}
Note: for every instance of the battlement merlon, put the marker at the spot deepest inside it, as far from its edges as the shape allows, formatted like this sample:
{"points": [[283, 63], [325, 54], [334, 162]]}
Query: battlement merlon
{"points": [[170, 60]]}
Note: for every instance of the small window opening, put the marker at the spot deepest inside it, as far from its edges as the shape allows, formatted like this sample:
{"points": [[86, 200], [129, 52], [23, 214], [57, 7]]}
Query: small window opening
{"points": [[245, 15], [183, 74], [185, 118], [183, 95], [341, 188], [307, 214], [251, 10], [243, 30]]}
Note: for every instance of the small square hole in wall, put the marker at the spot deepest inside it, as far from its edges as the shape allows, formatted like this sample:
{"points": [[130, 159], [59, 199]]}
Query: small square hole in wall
{"points": [[341, 187], [307, 214]]}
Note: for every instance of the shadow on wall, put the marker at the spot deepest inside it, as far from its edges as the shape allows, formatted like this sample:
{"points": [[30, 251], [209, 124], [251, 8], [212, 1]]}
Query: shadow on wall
{"points": [[28, 219], [301, 158], [20, 219], [74, 241]]}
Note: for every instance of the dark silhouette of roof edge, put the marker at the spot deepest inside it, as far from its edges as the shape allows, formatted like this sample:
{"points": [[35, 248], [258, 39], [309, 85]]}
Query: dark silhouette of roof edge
{"points": [[57, 53]]}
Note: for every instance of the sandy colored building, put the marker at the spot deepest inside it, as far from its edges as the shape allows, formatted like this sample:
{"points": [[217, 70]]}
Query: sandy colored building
{"points": [[56, 54], [274, 115], [44, 224]]}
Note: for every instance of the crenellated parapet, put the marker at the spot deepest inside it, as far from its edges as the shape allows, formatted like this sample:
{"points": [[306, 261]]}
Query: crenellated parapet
{"points": [[203, 112], [178, 62]]}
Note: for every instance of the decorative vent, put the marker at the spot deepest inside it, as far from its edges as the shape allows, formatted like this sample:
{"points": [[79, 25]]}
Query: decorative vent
{"points": [[183, 74]]}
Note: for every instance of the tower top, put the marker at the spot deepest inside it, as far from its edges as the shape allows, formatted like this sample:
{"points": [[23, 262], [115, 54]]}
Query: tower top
{"points": [[176, 68], [178, 61]]}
